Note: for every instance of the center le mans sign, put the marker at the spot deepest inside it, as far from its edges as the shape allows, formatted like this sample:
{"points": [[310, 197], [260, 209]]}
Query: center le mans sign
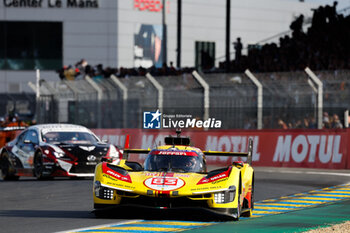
{"points": [[51, 3]]}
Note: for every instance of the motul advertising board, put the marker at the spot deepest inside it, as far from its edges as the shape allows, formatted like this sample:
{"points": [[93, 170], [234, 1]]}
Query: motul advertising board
{"points": [[276, 148]]}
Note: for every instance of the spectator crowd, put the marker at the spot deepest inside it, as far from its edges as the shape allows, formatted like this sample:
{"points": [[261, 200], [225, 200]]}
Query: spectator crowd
{"points": [[82, 68], [323, 46], [328, 122]]}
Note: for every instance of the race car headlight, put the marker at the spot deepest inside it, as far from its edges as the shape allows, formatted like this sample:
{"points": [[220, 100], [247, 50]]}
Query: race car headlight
{"points": [[108, 193], [103, 192], [58, 154], [219, 197], [226, 196]]}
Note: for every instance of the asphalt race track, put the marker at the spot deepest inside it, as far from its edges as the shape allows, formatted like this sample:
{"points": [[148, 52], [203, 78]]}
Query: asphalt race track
{"points": [[35, 206]]}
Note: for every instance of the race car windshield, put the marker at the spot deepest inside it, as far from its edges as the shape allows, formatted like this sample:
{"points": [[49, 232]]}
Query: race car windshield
{"points": [[173, 163], [69, 137]]}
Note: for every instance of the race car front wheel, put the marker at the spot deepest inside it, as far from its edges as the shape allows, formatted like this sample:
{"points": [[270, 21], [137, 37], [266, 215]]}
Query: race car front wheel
{"points": [[39, 166], [238, 209], [7, 171], [249, 213]]}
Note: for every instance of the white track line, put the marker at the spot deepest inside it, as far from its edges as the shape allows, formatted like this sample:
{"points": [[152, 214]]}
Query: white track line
{"points": [[98, 226]]}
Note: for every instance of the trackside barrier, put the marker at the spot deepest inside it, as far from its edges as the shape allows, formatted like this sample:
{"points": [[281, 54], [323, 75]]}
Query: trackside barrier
{"points": [[273, 148]]}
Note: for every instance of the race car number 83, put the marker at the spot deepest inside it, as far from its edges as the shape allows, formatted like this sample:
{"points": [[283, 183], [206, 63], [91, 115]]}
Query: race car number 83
{"points": [[164, 181]]}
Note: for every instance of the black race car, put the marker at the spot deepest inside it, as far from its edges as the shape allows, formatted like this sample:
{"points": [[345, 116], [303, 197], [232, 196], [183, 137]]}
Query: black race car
{"points": [[50, 150]]}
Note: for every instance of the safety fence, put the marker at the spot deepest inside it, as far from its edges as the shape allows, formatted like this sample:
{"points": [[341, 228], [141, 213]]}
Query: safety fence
{"points": [[294, 99]]}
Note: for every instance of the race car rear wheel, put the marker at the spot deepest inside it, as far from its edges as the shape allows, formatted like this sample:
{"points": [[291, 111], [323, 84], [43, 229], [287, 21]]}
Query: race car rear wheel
{"points": [[7, 171], [39, 166]]}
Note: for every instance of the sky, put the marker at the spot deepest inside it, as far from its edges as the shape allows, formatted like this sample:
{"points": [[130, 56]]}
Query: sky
{"points": [[341, 3]]}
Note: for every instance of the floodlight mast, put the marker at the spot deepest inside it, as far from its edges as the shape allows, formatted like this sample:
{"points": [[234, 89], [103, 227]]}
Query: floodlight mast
{"points": [[179, 19], [164, 41], [228, 31]]}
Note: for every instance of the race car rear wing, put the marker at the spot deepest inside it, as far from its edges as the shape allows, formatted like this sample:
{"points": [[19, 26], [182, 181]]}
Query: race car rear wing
{"points": [[247, 154]]}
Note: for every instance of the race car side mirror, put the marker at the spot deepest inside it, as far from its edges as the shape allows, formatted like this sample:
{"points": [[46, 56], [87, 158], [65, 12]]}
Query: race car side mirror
{"points": [[238, 163], [135, 166]]}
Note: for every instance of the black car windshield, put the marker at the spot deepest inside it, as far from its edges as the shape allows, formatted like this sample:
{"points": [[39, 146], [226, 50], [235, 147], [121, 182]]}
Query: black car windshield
{"points": [[69, 137], [173, 163]]}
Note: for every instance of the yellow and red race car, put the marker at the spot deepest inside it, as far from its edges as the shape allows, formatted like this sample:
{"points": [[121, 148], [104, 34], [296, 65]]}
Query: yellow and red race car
{"points": [[175, 176]]}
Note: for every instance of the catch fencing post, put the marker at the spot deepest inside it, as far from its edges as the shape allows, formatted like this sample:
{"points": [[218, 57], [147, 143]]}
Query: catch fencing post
{"points": [[37, 95], [346, 119], [314, 88], [160, 89], [206, 88], [319, 84], [260, 97], [125, 97], [99, 99], [37, 84], [37, 113]]}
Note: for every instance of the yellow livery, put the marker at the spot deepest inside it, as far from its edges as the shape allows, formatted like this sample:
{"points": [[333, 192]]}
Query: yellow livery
{"points": [[175, 176]]}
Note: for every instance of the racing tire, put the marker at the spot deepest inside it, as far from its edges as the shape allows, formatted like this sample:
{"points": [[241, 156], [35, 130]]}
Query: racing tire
{"points": [[238, 209], [6, 168], [39, 167], [250, 212]]}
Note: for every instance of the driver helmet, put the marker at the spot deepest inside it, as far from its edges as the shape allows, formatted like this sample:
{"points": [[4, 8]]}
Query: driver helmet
{"points": [[191, 162]]}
